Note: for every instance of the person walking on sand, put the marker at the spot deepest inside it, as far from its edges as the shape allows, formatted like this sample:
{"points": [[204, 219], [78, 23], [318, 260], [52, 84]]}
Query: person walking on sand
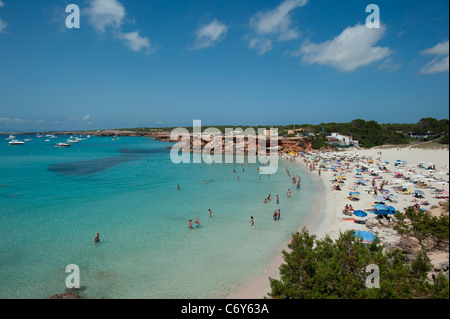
{"points": [[97, 238]]}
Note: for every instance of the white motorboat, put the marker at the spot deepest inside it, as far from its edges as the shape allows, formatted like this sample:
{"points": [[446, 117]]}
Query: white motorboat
{"points": [[62, 145], [16, 142]]}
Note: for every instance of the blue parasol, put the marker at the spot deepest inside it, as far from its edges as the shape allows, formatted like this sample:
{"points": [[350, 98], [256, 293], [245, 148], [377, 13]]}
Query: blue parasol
{"points": [[382, 212], [380, 207], [392, 210], [360, 213], [365, 235]]}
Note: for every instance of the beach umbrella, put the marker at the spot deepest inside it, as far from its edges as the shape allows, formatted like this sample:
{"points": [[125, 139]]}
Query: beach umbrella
{"points": [[380, 207], [366, 236], [382, 212], [392, 210], [360, 213], [381, 198], [420, 192]]}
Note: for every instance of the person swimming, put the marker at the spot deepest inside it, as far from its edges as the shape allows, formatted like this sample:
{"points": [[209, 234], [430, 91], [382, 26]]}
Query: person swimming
{"points": [[97, 238]]}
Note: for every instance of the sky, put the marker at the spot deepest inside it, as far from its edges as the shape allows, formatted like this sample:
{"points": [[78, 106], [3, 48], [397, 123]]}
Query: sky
{"points": [[134, 63]]}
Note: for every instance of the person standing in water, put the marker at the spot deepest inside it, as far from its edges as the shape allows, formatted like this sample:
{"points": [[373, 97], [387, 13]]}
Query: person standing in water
{"points": [[278, 217], [197, 223], [190, 223], [252, 222], [210, 212], [289, 192], [278, 200], [97, 238]]}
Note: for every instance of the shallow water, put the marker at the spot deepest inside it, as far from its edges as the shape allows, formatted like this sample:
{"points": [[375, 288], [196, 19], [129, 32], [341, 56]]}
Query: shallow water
{"points": [[56, 199]]}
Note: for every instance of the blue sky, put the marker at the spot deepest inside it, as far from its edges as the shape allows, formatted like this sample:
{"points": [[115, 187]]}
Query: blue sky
{"points": [[167, 62]]}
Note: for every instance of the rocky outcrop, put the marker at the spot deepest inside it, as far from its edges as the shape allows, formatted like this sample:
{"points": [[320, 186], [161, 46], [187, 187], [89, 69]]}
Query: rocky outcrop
{"points": [[65, 295]]}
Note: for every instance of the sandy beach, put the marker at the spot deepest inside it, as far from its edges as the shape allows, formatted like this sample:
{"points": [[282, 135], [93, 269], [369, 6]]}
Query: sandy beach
{"points": [[414, 169]]}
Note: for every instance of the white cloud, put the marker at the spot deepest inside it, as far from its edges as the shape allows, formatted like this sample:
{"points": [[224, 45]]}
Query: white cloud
{"points": [[3, 25], [353, 48], [440, 62], [209, 34], [136, 42], [8, 120], [389, 65], [263, 45], [106, 13], [110, 15], [275, 23]]}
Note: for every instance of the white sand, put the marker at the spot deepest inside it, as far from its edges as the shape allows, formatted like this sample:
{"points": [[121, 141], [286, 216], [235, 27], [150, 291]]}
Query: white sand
{"points": [[330, 220]]}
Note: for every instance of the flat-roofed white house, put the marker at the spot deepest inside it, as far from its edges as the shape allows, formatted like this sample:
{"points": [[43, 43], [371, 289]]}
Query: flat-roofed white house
{"points": [[341, 140]]}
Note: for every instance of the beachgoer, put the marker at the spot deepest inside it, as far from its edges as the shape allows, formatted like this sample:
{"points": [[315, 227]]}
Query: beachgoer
{"points": [[197, 223], [210, 212], [97, 238], [252, 222], [278, 217], [278, 200], [275, 215], [190, 223], [178, 186], [289, 192]]}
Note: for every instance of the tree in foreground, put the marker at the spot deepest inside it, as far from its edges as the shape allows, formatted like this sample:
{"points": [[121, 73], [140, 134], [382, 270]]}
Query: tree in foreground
{"points": [[322, 269]]}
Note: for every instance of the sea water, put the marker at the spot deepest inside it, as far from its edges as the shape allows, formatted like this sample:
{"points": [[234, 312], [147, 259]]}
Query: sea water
{"points": [[54, 200]]}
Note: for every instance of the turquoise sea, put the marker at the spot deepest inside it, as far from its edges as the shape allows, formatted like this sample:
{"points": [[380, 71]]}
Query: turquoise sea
{"points": [[54, 200]]}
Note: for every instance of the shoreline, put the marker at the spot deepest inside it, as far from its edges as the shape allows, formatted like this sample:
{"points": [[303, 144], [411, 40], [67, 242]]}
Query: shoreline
{"points": [[319, 224], [328, 217]]}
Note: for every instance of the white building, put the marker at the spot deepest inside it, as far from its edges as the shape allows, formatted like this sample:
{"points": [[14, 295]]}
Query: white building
{"points": [[341, 140]]}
